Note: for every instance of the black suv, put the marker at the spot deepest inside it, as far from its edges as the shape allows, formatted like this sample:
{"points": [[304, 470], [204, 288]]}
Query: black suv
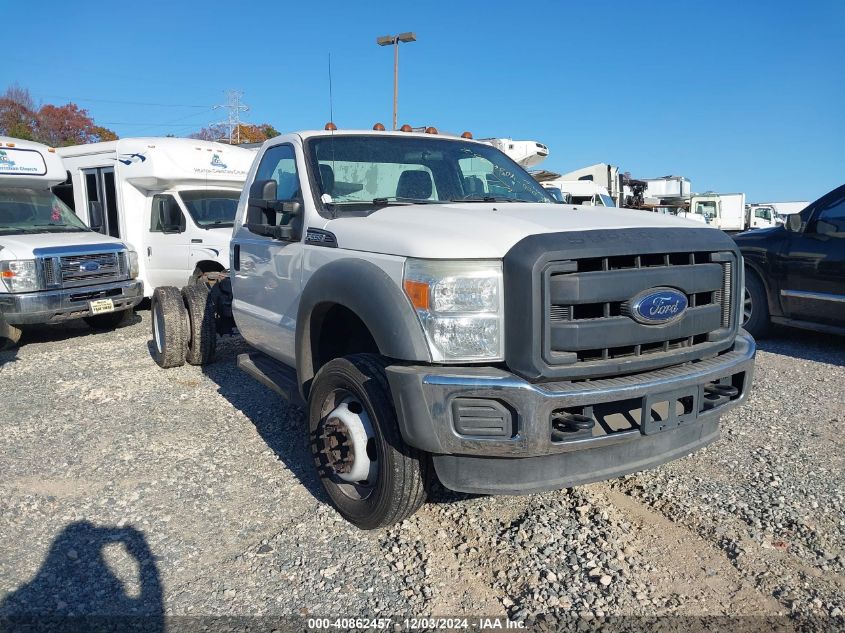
{"points": [[795, 274]]}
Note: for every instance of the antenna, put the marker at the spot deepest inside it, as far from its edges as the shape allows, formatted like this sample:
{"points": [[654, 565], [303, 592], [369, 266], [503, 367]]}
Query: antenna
{"points": [[331, 108], [234, 107]]}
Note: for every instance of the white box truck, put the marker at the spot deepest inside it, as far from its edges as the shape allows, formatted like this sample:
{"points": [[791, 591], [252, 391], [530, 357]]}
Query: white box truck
{"points": [[53, 267], [172, 199], [726, 211]]}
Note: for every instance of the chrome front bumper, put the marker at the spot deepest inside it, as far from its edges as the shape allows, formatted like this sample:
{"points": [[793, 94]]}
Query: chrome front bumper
{"points": [[50, 306], [530, 455]]}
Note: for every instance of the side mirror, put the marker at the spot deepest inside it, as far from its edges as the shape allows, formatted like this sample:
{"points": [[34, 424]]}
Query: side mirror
{"points": [[95, 215], [266, 215], [793, 222]]}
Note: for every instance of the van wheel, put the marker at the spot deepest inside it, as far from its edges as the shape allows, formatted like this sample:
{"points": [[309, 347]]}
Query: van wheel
{"points": [[755, 306], [201, 343], [10, 335], [108, 321], [373, 478], [169, 319]]}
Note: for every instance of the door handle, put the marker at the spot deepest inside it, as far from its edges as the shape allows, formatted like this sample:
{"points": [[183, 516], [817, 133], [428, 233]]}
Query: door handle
{"points": [[196, 241], [149, 251]]}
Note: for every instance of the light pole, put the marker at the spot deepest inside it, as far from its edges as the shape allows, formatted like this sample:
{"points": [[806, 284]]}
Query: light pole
{"points": [[393, 40]]}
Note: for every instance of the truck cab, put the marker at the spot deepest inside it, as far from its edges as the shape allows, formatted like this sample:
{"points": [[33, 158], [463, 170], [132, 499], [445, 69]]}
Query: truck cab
{"points": [[438, 314], [579, 192], [173, 199], [52, 266], [725, 211]]}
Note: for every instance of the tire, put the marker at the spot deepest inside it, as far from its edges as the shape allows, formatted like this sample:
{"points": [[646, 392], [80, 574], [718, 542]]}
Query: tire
{"points": [[108, 321], [399, 486], [10, 335], [201, 339], [755, 306], [169, 325]]}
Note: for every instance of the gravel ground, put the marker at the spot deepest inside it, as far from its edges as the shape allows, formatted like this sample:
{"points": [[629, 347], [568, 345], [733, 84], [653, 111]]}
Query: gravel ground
{"points": [[126, 489]]}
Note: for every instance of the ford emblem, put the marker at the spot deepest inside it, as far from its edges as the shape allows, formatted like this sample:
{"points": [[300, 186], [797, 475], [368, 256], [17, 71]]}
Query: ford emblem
{"points": [[89, 267], [657, 306]]}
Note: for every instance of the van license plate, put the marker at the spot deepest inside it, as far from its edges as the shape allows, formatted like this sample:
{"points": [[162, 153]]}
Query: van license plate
{"points": [[101, 306]]}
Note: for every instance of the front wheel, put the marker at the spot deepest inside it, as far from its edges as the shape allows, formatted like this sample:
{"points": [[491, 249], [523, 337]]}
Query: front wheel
{"points": [[755, 306], [373, 478]]}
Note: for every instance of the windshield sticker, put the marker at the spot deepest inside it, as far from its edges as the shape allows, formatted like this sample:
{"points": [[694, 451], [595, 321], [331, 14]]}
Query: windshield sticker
{"points": [[22, 161]]}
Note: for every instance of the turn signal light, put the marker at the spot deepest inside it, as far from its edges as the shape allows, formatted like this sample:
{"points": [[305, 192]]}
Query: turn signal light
{"points": [[417, 292]]}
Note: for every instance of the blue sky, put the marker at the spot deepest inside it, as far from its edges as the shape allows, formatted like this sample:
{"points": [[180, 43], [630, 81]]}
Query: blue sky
{"points": [[737, 96]]}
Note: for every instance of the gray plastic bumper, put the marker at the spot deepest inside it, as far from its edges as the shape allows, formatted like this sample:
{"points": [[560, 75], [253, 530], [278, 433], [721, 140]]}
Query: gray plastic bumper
{"points": [[50, 306], [530, 457]]}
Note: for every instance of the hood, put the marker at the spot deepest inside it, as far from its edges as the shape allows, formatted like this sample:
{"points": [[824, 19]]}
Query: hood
{"points": [[21, 246], [479, 230]]}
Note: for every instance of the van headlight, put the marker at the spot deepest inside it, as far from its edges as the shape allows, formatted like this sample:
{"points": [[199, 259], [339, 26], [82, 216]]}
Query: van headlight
{"points": [[132, 264], [20, 275], [460, 307]]}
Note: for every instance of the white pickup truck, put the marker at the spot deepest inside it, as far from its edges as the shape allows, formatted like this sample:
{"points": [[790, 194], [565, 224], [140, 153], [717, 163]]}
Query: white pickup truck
{"points": [[438, 314], [52, 266]]}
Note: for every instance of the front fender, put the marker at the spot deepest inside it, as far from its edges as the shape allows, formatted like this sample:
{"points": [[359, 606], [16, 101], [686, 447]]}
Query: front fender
{"points": [[374, 297]]}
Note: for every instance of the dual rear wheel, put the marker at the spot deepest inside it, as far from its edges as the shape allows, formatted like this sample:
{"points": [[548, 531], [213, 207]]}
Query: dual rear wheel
{"points": [[183, 325]]}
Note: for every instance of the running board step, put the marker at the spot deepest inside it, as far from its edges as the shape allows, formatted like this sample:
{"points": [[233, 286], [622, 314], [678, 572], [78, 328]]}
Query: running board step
{"points": [[272, 374]]}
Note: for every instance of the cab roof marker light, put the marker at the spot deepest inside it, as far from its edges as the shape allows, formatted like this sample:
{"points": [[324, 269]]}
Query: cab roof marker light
{"points": [[10, 144], [431, 130], [379, 127], [331, 127], [406, 128], [466, 135]]}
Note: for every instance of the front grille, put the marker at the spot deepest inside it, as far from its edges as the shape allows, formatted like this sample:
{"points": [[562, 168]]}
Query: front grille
{"points": [[84, 269], [587, 301]]}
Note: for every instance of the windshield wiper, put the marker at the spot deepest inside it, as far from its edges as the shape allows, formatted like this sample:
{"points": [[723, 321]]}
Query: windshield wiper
{"points": [[474, 197]]}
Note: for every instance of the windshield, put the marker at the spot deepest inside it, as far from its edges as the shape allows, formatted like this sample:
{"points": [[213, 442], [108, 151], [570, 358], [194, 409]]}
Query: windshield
{"points": [[764, 213], [35, 211], [211, 208], [707, 209], [367, 170], [607, 200]]}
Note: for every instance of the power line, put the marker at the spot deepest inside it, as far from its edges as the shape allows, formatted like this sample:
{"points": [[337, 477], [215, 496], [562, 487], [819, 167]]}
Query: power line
{"points": [[138, 103], [234, 107]]}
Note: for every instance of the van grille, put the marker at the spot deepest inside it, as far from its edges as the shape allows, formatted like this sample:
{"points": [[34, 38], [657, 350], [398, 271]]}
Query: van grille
{"points": [[84, 269]]}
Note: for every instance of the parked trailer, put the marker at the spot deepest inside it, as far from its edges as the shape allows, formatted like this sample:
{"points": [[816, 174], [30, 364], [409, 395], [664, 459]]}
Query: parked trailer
{"points": [[173, 200], [52, 267]]}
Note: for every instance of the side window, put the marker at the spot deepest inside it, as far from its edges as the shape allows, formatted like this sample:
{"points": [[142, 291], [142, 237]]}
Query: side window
{"points": [[831, 219], [279, 164], [165, 206]]}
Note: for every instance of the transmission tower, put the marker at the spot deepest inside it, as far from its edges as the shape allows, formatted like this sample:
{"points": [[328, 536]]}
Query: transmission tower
{"points": [[234, 107]]}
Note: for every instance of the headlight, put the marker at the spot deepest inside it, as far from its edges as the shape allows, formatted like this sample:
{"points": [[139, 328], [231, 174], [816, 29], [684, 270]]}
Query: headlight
{"points": [[460, 307], [20, 275], [132, 263]]}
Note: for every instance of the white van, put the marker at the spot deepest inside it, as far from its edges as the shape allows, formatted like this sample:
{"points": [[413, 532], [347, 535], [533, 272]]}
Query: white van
{"points": [[172, 199], [53, 267], [580, 192]]}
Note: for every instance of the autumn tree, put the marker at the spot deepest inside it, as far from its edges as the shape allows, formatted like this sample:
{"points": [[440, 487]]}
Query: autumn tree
{"points": [[244, 133], [50, 124]]}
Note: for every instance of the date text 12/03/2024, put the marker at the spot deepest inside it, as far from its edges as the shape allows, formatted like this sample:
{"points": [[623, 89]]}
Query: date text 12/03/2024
{"points": [[414, 624]]}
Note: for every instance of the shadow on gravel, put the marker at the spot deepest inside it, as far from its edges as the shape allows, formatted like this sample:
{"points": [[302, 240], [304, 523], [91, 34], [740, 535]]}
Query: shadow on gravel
{"points": [[76, 589], [280, 424], [804, 344]]}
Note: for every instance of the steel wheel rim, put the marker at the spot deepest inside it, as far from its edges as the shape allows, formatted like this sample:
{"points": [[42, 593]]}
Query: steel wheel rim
{"points": [[361, 490], [747, 307], [158, 329]]}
